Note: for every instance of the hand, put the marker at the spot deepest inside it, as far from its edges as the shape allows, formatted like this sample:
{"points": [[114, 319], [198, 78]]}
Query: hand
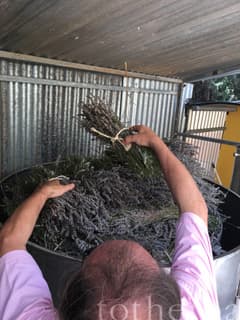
{"points": [[144, 136], [53, 189], [18, 228]]}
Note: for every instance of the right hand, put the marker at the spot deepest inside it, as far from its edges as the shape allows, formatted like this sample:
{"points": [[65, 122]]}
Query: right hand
{"points": [[144, 137], [53, 189]]}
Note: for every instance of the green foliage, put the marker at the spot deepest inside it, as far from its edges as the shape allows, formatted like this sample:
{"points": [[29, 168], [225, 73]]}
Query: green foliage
{"points": [[140, 160], [220, 89], [227, 88]]}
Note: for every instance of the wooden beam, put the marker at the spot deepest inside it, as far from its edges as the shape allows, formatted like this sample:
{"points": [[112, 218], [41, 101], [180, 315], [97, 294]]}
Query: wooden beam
{"points": [[84, 67]]}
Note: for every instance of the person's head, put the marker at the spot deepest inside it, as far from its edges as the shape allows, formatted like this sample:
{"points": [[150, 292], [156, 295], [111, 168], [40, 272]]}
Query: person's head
{"points": [[120, 280]]}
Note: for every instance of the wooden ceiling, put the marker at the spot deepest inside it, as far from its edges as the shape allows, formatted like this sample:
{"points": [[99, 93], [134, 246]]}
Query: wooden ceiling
{"points": [[177, 38]]}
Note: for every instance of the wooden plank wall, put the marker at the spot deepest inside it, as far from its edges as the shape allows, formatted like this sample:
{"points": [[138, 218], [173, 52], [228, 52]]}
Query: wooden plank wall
{"points": [[186, 38]]}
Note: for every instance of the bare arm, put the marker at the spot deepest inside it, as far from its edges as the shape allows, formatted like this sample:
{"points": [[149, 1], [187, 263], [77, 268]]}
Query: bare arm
{"points": [[18, 228], [179, 180]]}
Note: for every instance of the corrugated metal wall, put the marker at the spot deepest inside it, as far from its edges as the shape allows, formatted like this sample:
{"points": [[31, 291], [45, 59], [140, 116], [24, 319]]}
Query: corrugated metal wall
{"points": [[150, 102], [39, 108]]}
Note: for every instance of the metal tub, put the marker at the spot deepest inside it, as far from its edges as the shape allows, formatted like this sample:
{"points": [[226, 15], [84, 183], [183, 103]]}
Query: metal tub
{"points": [[57, 268]]}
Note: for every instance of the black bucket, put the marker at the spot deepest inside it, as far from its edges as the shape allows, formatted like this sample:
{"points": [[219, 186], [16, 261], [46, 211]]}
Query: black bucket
{"points": [[57, 268]]}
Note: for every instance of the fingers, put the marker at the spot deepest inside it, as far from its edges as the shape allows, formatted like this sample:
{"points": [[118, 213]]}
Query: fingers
{"points": [[53, 188], [130, 139], [54, 182], [134, 138], [137, 128], [60, 188], [144, 136], [68, 187]]}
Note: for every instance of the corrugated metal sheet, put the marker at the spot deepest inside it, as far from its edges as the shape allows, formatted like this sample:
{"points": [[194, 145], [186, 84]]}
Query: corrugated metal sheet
{"points": [[39, 107], [208, 152], [183, 38], [156, 108]]}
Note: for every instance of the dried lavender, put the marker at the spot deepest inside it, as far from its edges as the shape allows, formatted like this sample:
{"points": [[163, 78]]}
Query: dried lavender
{"points": [[113, 202], [99, 115]]}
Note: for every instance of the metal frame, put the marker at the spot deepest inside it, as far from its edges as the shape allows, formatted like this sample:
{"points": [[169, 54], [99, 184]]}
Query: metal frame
{"points": [[205, 130], [196, 134], [212, 106], [178, 111], [235, 182], [221, 141]]}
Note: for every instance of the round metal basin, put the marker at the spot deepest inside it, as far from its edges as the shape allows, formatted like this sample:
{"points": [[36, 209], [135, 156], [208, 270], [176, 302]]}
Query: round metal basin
{"points": [[227, 266], [57, 267]]}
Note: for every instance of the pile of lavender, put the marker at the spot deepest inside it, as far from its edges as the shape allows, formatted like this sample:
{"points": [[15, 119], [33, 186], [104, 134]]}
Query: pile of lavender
{"points": [[114, 203], [117, 204], [121, 195]]}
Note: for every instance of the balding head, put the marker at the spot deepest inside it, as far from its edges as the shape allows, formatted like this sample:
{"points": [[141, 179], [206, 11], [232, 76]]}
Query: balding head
{"points": [[120, 280], [122, 251]]}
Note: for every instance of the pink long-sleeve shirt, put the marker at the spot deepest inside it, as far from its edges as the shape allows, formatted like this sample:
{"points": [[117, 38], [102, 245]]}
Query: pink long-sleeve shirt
{"points": [[24, 294]]}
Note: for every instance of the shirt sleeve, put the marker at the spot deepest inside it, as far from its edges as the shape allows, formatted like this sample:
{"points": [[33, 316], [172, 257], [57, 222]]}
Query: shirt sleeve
{"points": [[193, 269], [24, 294]]}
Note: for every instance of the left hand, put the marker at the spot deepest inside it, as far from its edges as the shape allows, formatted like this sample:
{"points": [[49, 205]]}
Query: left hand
{"points": [[53, 189]]}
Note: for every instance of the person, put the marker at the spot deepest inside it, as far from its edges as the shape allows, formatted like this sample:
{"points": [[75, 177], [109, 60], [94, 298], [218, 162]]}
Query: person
{"points": [[119, 279]]}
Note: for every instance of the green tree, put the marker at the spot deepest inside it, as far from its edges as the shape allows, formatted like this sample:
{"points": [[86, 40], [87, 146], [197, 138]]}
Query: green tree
{"points": [[220, 89]]}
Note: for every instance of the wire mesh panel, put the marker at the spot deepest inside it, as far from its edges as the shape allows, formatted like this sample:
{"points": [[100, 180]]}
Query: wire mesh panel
{"points": [[40, 107]]}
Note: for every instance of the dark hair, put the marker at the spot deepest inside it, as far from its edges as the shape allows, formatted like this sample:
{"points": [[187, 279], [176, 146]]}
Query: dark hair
{"points": [[119, 281]]}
